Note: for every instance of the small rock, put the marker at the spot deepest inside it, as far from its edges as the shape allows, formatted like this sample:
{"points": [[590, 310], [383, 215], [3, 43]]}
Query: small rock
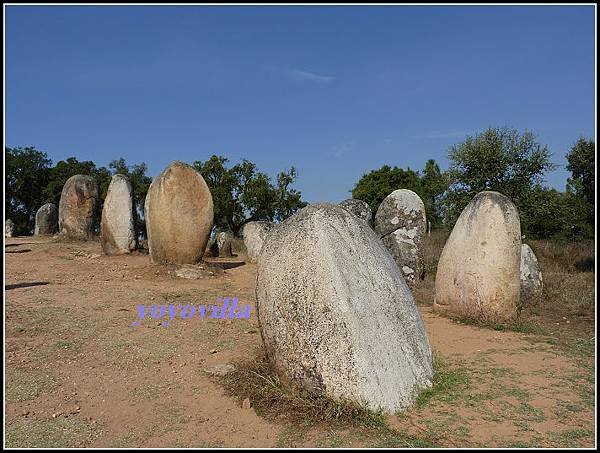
{"points": [[219, 370], [246, 404]]}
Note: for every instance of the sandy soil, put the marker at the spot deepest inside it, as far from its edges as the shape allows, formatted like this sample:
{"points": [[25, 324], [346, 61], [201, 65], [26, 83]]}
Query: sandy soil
{"points": [[78, 373]]}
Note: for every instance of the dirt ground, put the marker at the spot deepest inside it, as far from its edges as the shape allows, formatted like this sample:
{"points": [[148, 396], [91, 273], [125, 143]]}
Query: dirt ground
{"points": [[78, 374]]}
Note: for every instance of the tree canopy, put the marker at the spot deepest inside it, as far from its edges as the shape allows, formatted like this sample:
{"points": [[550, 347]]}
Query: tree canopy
{"points": [[242, 194]]}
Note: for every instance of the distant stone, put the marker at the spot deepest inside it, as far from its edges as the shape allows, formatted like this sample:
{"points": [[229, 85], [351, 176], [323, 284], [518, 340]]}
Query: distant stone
{"points": [[117, 230], [254, 234], [9, 228], [78, 207], [401, 224], [531, 275], [46, 220], [359, 208], [336, 316], [224, 244], [179, 215], [478, 273]]}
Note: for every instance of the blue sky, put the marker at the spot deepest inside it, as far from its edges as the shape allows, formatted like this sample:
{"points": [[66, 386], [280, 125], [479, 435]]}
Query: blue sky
{"points": [[334, 91]]}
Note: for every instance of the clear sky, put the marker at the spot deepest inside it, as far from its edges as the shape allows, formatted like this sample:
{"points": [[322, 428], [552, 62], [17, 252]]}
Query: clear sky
{"points": [[334, 91]]}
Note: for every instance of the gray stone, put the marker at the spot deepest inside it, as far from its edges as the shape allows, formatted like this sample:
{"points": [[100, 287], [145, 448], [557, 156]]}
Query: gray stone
{"points": [[179, 215], [359, 208], [224, 244], [478, 273], [46, 220], [9, 228], [401, 224], [336, 316], [78, 207], [531, 276], [117, 228], [222, 369], [254, 234]]}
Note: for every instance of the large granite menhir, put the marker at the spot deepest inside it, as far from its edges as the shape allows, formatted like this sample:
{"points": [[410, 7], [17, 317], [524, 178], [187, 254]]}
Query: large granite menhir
{"points": [[78, 208], [336, 316], [179, 215]]}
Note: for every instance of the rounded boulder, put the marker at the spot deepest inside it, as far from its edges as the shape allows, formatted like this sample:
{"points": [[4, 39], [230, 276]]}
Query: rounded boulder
{"points": [[179, 215], [336, 317], [531, 275], [478, 273], [254, 234], [400, 222], [117, 227], [78, 207], [46, 220]]}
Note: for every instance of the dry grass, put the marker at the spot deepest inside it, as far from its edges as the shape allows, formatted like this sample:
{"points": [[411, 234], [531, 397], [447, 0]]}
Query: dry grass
{"points": [[256, 380], [569, 291]]}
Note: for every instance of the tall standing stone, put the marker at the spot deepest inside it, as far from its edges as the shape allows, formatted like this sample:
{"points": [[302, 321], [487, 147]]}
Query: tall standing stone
{"points": [[478, 273], [359, 208], [46, 220], [179, 215], [9, 228], [117, 227], [224, 244], [336, 316], [400, 222], [531, 275], [254, 234], [78, 207]]}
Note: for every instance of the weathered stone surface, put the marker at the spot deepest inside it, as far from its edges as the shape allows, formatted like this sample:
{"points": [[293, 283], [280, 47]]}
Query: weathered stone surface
{"points": [[336, 315], [531, 275], [224, 244], [117, 228], [78, 207], [401, 224], [359, 208], [254, 234], [46, 220], [179, 215], [9, 228], [478, 272]]}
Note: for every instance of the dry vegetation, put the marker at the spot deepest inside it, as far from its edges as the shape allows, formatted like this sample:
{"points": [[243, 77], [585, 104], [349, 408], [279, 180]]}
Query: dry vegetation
{"points": [[77, 375]]}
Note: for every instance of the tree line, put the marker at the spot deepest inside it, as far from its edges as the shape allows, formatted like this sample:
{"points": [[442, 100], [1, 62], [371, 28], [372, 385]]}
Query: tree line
{"points": [[506, 161], [499, 159], [240, 192]]}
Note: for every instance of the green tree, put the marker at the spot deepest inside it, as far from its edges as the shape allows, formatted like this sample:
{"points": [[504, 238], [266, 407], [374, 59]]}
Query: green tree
{"points": [[64, 169], [502, 160], [27, 173], [242, 194], [582, 165], [374, 186], [434, 183]]}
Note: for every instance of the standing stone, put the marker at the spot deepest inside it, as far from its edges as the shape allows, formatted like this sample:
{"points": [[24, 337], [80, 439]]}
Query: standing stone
{"points": [[478, 272], [46, 219], [401, 224], [78, 207], [9, 228], [531, 275], [117, 228], [254, 234], [336, 316], [179, 215], [359, 208], [224, 244]]}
